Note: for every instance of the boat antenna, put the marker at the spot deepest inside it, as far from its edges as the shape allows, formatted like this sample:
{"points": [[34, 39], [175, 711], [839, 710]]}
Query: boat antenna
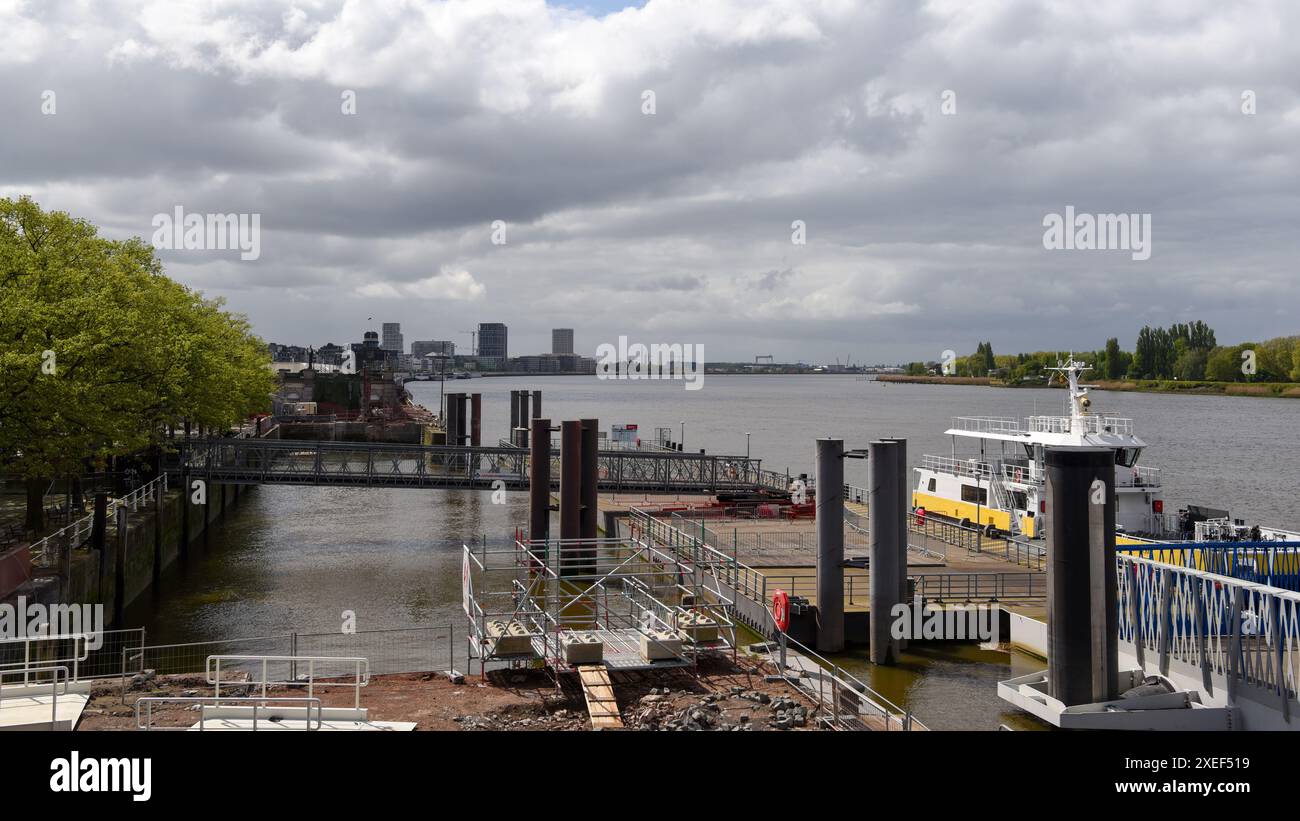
{"points": [[1070, 369]]}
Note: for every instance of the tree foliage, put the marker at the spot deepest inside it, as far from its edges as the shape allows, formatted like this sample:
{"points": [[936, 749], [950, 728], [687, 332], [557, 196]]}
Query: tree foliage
{"points": [[101, 350]]}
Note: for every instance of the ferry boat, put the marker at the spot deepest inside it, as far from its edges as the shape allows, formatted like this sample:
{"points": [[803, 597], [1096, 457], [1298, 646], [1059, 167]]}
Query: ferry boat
{"points": [[1001, 488]]}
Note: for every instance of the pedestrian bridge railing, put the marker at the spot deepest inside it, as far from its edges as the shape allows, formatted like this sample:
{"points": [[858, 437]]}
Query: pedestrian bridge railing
{"points": [[1236, 634], [382, 464], [1273, 564]]}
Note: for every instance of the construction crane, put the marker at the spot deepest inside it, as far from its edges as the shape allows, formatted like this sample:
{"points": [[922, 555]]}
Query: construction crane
{"points": [[473, 341]]}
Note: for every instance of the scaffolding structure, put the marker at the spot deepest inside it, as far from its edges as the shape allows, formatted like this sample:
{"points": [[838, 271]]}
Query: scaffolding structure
{"points": [[548, 603]]}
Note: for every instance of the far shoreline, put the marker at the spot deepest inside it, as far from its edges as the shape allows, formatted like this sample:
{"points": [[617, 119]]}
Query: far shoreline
{"points": [[1271, 390]]}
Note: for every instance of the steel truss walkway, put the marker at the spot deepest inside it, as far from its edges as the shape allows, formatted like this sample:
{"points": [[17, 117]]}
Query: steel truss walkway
{"points": [[379, 464]]}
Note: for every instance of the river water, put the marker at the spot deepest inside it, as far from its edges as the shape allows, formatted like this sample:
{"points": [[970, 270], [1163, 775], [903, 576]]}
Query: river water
{"points": [[294, 558]]}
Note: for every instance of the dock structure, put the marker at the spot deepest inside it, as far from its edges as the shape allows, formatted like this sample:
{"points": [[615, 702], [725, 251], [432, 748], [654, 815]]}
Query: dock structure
{"points": [[764, 554], [631, 606]]}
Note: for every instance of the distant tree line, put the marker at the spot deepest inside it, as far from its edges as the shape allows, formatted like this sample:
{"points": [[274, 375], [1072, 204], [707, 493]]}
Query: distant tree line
{"points": [[1184, 352]]}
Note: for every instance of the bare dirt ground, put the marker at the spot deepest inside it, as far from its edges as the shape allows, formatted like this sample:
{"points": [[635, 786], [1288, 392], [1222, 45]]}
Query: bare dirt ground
{"points": [[723, 697]]}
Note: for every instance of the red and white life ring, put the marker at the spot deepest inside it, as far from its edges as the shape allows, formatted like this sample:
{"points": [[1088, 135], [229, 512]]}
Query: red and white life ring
{"points": [[781, 610]]}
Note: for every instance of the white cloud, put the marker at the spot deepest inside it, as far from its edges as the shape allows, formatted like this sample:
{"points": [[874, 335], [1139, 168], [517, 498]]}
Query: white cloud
{"points": [[448, 284], [454, 285]]}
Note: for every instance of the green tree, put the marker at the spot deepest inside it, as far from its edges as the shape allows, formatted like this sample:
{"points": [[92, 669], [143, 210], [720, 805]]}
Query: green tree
{"points": [[1191, 364], [101, 351], [1224, 364]]}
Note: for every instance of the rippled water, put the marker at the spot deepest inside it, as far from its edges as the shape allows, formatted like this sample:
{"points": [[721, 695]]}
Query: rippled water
{"points": [[294, 558]]}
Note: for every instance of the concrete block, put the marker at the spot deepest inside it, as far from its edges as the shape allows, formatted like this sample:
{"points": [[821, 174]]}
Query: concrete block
{"points": [[509, 638], [697, 627], [660, 645], [582, 648]]}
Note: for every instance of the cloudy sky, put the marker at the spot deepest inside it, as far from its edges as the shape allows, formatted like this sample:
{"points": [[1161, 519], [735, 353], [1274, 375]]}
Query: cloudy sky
{"points": [[924, 223]]}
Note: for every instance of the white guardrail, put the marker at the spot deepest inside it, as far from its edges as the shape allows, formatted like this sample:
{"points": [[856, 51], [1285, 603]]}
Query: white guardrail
{"points": [[957, 467], [257, 703], [54, 671], [81, 640], [260, 664]]}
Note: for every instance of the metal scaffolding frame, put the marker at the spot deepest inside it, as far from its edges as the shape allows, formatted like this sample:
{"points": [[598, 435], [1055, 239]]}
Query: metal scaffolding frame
{"points": [[626, 594]]}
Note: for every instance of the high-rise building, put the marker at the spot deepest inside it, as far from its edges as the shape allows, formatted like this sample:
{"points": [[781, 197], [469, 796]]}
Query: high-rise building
{"points": [[492, 343], [561, 340], [393, 337]]}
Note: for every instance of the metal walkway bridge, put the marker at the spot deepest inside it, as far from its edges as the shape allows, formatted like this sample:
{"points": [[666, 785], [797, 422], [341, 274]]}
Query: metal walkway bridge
{"points": [[378, 464]]}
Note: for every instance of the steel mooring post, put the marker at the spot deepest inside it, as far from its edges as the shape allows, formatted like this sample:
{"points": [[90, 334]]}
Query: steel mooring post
{"points": [[904, 510], [539, 481], [475, 419], [524, 416], [882, 513], [589, 497], [830, 545], [462, 422], [570, 479], [1082, 621]]}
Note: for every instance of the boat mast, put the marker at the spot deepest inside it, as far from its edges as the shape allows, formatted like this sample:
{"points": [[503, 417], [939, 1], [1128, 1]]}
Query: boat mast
{"points": [[1078, 393]]}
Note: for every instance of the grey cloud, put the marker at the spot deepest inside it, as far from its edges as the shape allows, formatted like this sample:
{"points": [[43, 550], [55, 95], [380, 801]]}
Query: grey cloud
{"points": [[826, 112]]}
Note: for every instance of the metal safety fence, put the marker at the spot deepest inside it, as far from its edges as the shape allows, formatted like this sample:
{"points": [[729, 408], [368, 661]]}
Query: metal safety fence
{"points": [[388, 651], [841, 700], [87, 655]]}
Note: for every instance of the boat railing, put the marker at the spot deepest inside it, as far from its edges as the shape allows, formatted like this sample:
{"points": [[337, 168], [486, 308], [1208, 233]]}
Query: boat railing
{"points": [[1141, 477], [957, 467], [1030, 474], [1084, 424], [987, 424]]}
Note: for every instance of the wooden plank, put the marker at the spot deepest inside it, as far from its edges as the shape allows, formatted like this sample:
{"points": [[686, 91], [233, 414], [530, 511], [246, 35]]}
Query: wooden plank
{"points": [[602, 705]]}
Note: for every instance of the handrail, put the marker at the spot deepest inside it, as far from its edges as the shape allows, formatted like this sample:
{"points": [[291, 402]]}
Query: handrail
{"points": [[238, 701], [988, 424], [360, 680], [54, 686], [1083, 424], [76, 658], [973, 468], [840, 680], [1245, 632], [82, 527]]}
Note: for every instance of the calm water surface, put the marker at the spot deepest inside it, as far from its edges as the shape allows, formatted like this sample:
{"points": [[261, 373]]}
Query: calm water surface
{"points": [[294, 558]]}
